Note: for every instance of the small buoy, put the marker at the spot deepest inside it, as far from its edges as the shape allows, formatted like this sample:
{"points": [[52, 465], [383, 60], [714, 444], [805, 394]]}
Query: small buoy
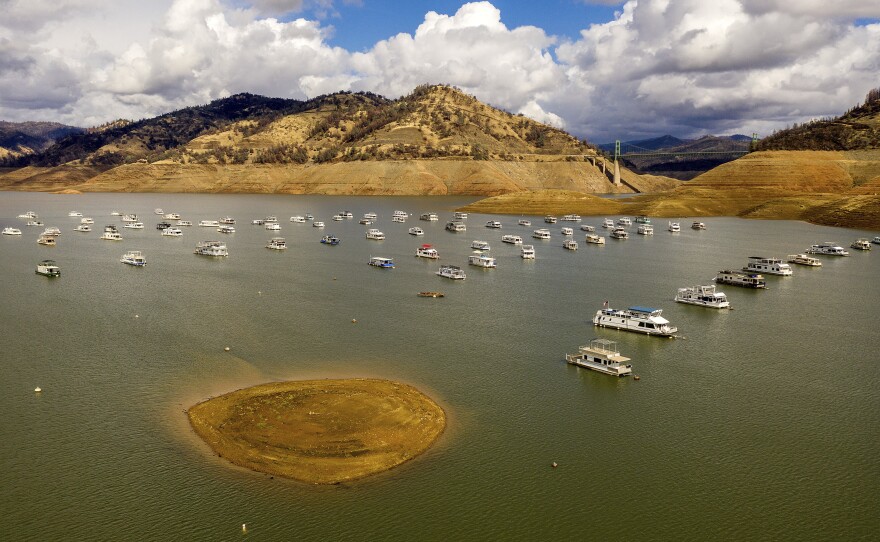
{"points": [[554, 465], [259, 292], [637, 377], [136, 316], [334, 278], [353, 321], [243, 527], [226, 349], [38, 389]]}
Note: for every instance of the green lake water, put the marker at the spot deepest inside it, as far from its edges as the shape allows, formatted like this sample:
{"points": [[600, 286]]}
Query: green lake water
{"points": [[759, 423]]}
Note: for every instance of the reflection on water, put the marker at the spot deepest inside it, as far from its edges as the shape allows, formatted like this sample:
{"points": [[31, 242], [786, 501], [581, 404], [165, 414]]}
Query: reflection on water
{"points": [[760, 424]]}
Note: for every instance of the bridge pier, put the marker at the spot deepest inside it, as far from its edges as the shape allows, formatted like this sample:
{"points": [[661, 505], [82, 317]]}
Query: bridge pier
{"points": [[616, 174]]}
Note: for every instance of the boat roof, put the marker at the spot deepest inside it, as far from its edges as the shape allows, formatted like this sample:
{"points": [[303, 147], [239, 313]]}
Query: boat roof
{"points": [[643, 309]]}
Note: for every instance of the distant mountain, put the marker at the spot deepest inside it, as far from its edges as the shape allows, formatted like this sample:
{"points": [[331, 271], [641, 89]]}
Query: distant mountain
{"points": [[27, 138], [857, 129], [679, 167]]}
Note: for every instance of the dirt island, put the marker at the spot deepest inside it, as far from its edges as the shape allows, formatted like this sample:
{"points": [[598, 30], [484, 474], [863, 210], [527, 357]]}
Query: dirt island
{"points": [[320, 431]]}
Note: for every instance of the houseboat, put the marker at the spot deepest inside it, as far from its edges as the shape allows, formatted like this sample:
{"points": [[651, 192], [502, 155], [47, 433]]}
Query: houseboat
{"points": [[172, 232], [587, 228], [48, 268], [570, 244], [493, 224], [524, 222], [674, 227], [704, 296], [381, 261], [225, 228], [456, 227], [738, 278], [803, 259], [416, 231], [550, 219], [430, 217], [11, 231], [330, 240], [601, 355], [638, 319], [458, 215], [375, 234], [451, 272], [209, 223], [771, 266], [527, 252], [645, 229], [211, 248], [607, 223], [134, 257], [595, 239], [48, 240], [481, 260], [828, 248], [624, 221], [427, 251], [511, 239], [619, 233], [698, 226], [541, 234], [566, 231], [571, 218], [480, 245], [861, 244]]}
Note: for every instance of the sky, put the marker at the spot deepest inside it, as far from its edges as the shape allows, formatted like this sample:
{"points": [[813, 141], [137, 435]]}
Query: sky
{"points": [[600, 69]]}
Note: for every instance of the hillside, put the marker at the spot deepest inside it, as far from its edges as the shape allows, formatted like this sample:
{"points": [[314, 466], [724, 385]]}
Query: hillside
{"points": [[436, 140], [858, 128], [19, 139]]}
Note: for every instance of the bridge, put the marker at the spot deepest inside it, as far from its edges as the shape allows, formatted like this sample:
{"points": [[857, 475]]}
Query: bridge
{"points": [[629, 150]]}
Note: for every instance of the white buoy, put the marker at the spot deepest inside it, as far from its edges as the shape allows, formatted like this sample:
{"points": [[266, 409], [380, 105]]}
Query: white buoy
{"points": [[555, 465], [136, 316], [38, 389], [226, 349], [244, 527], [353, 321]]}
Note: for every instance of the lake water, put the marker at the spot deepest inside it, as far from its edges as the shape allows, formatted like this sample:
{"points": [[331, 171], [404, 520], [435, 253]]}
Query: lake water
{"points": [[762, 423]]}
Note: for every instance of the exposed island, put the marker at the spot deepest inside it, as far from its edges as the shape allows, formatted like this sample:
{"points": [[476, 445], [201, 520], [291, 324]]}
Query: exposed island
{"points": [[320, 431]]}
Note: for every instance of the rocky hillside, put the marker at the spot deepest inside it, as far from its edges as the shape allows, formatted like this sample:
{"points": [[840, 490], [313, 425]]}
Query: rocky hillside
{"points": [[437, 140], [858, 128], [20, 139]]}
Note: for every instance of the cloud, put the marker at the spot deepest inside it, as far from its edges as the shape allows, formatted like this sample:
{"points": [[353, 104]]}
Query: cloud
{"points": [[685, 67], [690, 67]]}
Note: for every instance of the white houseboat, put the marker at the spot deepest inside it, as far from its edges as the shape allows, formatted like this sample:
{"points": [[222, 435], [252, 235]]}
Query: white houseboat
{"points": [[771, 266], [451, 272], [511, 239], [227, 220], [550, 219], [48, 268], [587, 228], [566, 231], [698, 226], [480, 245], [225, 228], [317, 224], [209, 223], [272, 226], [674, 227], [571, 218], [570, 244], [624, 221], [524, 222], [427, 251], [619, 233], [828, 248], [381, 261], [481, 260], [541, 234], [603, 356], [456, 226], [48, 240], [493, 224], [172, 232], [430, 217], [637, 319], [704, 296], [134, 225], [111, 235], [738, 278], [11, 231], [595, 239], [298, 219], [375, 234], [134, 257], [458, 215], [211, 248], [803, 259], [83, 228], [861, 244], [527, 252], [416, 231], [645, 229]]}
